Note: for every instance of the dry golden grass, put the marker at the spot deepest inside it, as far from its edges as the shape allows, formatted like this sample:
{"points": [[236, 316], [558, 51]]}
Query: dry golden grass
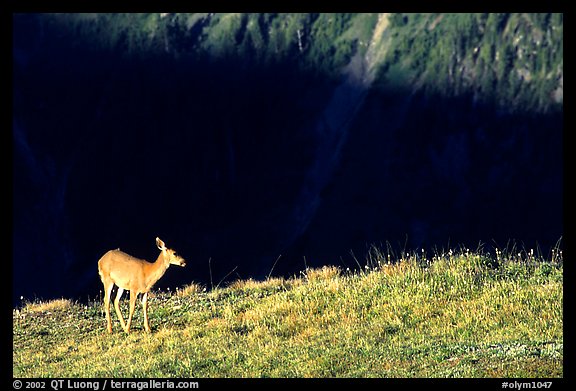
{"points": [[53, 305], [324, 273], [455, 316], [190, 290]]}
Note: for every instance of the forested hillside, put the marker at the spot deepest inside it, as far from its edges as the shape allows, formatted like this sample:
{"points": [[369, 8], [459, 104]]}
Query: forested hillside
{"points": [[514, 60], [238, 138]]}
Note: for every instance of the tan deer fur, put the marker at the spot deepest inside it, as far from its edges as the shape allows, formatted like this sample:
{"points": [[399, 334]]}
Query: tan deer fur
{"points": [[133, 274]]}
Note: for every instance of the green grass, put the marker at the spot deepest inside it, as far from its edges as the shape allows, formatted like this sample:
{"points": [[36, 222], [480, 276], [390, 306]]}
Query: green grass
{"points": [[459, 314]]}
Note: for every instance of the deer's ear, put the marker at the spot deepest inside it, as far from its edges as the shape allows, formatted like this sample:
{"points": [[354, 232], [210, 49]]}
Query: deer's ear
{"points": [[160, 244]]}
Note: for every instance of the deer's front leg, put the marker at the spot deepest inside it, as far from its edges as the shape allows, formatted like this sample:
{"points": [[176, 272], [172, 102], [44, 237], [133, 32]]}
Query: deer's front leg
{"points": [[145, 307]]}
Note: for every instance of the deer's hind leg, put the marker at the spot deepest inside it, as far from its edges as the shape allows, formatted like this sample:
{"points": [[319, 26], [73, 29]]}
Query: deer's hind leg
{"points": [[108, 285], [117, 306], [133, 295]]}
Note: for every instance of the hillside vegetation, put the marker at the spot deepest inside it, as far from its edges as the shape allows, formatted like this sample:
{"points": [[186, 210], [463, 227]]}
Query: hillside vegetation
{"points": [[296, 134], [459, 314], [515, 60]]}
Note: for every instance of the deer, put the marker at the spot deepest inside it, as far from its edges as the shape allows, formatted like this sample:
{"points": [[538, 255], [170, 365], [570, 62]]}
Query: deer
{"points": [[136, 275]]}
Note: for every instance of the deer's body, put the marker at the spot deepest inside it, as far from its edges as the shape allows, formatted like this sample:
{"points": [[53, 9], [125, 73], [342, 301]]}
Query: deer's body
{"points": [[133, 274]]}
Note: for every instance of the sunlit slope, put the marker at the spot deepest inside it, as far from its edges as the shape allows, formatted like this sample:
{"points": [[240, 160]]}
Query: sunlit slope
{"points": [[455, 315]]}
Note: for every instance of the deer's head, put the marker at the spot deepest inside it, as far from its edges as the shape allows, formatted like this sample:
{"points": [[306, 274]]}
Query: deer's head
{"points": [[170, 255]]}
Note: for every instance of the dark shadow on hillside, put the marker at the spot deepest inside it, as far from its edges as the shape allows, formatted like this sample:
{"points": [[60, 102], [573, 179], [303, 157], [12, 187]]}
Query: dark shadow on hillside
{"points": [[433, 173], [227, 162]]}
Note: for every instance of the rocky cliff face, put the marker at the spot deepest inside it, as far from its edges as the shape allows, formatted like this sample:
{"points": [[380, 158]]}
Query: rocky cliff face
{"points": [[239, 137]]}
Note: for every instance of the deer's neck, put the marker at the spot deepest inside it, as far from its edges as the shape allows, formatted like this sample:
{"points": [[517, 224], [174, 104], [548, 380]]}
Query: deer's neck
{"points": [[157, 270]]}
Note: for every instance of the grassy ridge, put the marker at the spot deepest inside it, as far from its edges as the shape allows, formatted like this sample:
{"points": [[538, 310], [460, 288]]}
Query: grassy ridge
{"points": [[455, 315]]}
